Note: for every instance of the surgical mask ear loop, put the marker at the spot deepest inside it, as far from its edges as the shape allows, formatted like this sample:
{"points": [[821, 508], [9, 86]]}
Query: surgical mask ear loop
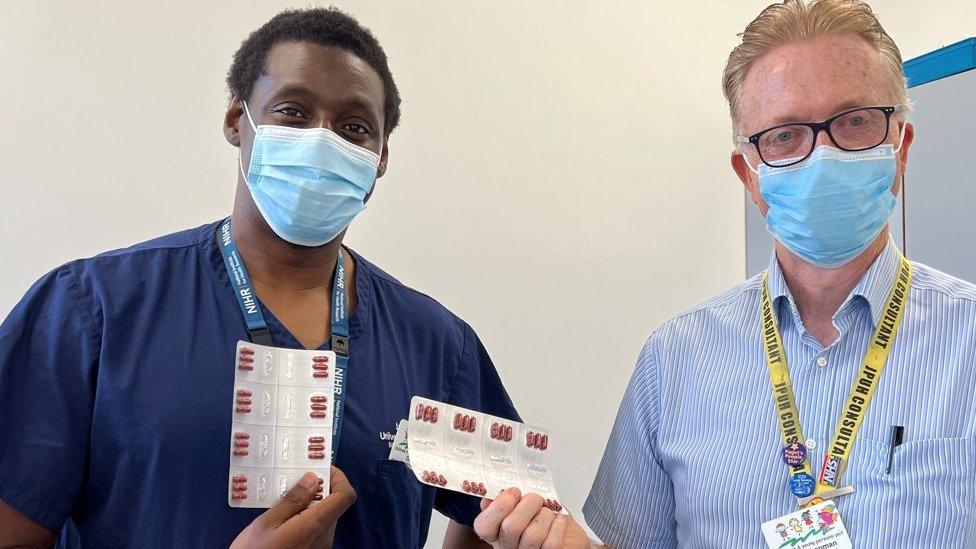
{"points": [[901, 141], [745, 158], [240, 161], [248, 113], [748, 165]]}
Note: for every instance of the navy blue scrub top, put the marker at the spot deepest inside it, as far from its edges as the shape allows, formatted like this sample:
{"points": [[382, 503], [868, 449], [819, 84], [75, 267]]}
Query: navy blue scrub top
{"points": [[116, 379]]}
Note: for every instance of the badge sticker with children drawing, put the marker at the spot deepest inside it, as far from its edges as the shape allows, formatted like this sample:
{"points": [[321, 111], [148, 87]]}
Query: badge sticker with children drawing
{"points": [[816, 527]]}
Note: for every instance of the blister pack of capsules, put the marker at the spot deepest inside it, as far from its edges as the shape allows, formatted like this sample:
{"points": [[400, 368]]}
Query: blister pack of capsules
{"points": [[474, 453], [282, 422]]}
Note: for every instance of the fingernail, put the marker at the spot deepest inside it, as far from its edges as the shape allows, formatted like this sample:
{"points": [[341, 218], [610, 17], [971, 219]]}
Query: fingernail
{"points": [[309, 481]]}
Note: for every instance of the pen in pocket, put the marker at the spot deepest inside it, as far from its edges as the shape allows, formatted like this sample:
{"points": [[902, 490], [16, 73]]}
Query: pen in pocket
{"points": [[894, 441]]}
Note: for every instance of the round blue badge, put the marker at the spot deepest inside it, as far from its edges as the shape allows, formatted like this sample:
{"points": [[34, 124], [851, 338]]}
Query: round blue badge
{"points": [[794, 453], [801, 484]]}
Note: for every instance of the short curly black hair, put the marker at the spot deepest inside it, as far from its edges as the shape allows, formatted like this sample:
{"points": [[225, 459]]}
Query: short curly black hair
{"points": [[325, 26]]}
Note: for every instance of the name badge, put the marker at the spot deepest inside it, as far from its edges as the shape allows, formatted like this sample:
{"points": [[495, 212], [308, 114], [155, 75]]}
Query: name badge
{"points": [[816, 527]]}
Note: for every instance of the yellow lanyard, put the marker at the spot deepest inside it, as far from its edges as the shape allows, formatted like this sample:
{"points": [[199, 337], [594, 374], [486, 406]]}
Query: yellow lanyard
{"points": [[858, 399]]}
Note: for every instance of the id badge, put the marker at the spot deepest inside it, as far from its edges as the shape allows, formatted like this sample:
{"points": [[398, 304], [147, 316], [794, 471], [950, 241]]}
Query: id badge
{"points": [[816, 527]]}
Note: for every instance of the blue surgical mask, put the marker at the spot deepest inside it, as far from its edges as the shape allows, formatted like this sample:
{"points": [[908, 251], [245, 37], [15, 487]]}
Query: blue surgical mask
{"points": [[308, 183], [833, 205]]}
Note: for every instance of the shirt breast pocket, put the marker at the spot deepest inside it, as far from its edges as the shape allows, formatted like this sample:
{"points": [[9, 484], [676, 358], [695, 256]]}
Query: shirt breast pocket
{"points": [[395, 500], [927, 498]]}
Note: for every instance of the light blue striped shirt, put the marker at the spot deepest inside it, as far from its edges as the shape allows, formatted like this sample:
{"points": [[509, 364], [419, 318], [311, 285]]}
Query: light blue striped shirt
{"points": [[694, 456]]}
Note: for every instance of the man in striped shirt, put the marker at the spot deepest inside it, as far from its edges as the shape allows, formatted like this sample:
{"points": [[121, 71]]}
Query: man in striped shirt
{"points": [[716, 434]]}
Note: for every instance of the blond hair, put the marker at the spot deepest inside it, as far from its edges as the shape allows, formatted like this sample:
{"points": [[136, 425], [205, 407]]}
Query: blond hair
{"points": [[795, 21]]}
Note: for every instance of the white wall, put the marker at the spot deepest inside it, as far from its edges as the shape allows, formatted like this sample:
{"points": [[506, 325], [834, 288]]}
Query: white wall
{"points": [[560, 179]]}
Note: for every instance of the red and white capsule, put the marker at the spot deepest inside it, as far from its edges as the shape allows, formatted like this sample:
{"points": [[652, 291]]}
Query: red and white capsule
{"points": [[538, 441], [552, 505], [426, 413]]}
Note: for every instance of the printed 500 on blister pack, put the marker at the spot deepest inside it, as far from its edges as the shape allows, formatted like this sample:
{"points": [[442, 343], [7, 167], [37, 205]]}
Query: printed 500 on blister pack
{"points": [[282, 424], [474, 453]]}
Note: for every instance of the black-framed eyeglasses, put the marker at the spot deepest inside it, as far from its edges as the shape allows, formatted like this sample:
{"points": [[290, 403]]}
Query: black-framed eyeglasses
{"points": [[852, 130]]}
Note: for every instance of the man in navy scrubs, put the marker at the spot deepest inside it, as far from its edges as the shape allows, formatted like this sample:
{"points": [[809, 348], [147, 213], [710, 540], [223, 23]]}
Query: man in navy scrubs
{"points": [[116, 372]]}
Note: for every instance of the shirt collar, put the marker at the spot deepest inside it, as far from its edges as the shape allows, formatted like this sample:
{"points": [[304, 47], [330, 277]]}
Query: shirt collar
{"points": [[873, 287]]}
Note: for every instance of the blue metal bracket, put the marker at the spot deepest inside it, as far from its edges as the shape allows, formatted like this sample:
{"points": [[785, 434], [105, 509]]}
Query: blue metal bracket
{"points": [[943, 62]]}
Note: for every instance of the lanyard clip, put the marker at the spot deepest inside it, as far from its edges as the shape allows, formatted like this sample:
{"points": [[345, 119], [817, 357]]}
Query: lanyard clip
{"points": [[340, 345], [261, 336]]}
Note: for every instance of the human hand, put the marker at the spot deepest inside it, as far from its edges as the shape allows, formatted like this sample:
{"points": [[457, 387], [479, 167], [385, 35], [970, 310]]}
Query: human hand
{"points": [[514, 521], [292, 524]]}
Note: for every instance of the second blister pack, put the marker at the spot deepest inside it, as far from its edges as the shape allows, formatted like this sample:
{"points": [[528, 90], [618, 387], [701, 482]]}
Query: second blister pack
{"points": [[479, 454]]}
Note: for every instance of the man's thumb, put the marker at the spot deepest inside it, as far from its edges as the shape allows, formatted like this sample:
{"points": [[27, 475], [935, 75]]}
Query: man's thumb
{"points": [[295, 500]]}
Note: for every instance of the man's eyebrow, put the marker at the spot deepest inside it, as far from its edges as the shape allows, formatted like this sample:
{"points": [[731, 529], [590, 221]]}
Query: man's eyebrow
{"points": [[358, 102], [354, 101], [845, 106], [292, 90]]}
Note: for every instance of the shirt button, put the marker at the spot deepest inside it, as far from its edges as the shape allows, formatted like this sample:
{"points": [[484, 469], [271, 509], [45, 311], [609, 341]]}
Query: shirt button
{"points": [[811, 444], [821, 361]]}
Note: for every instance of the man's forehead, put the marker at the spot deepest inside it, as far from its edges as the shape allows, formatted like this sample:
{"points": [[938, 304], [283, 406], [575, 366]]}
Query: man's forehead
{"points": [[297, 68], [811, 80]]}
